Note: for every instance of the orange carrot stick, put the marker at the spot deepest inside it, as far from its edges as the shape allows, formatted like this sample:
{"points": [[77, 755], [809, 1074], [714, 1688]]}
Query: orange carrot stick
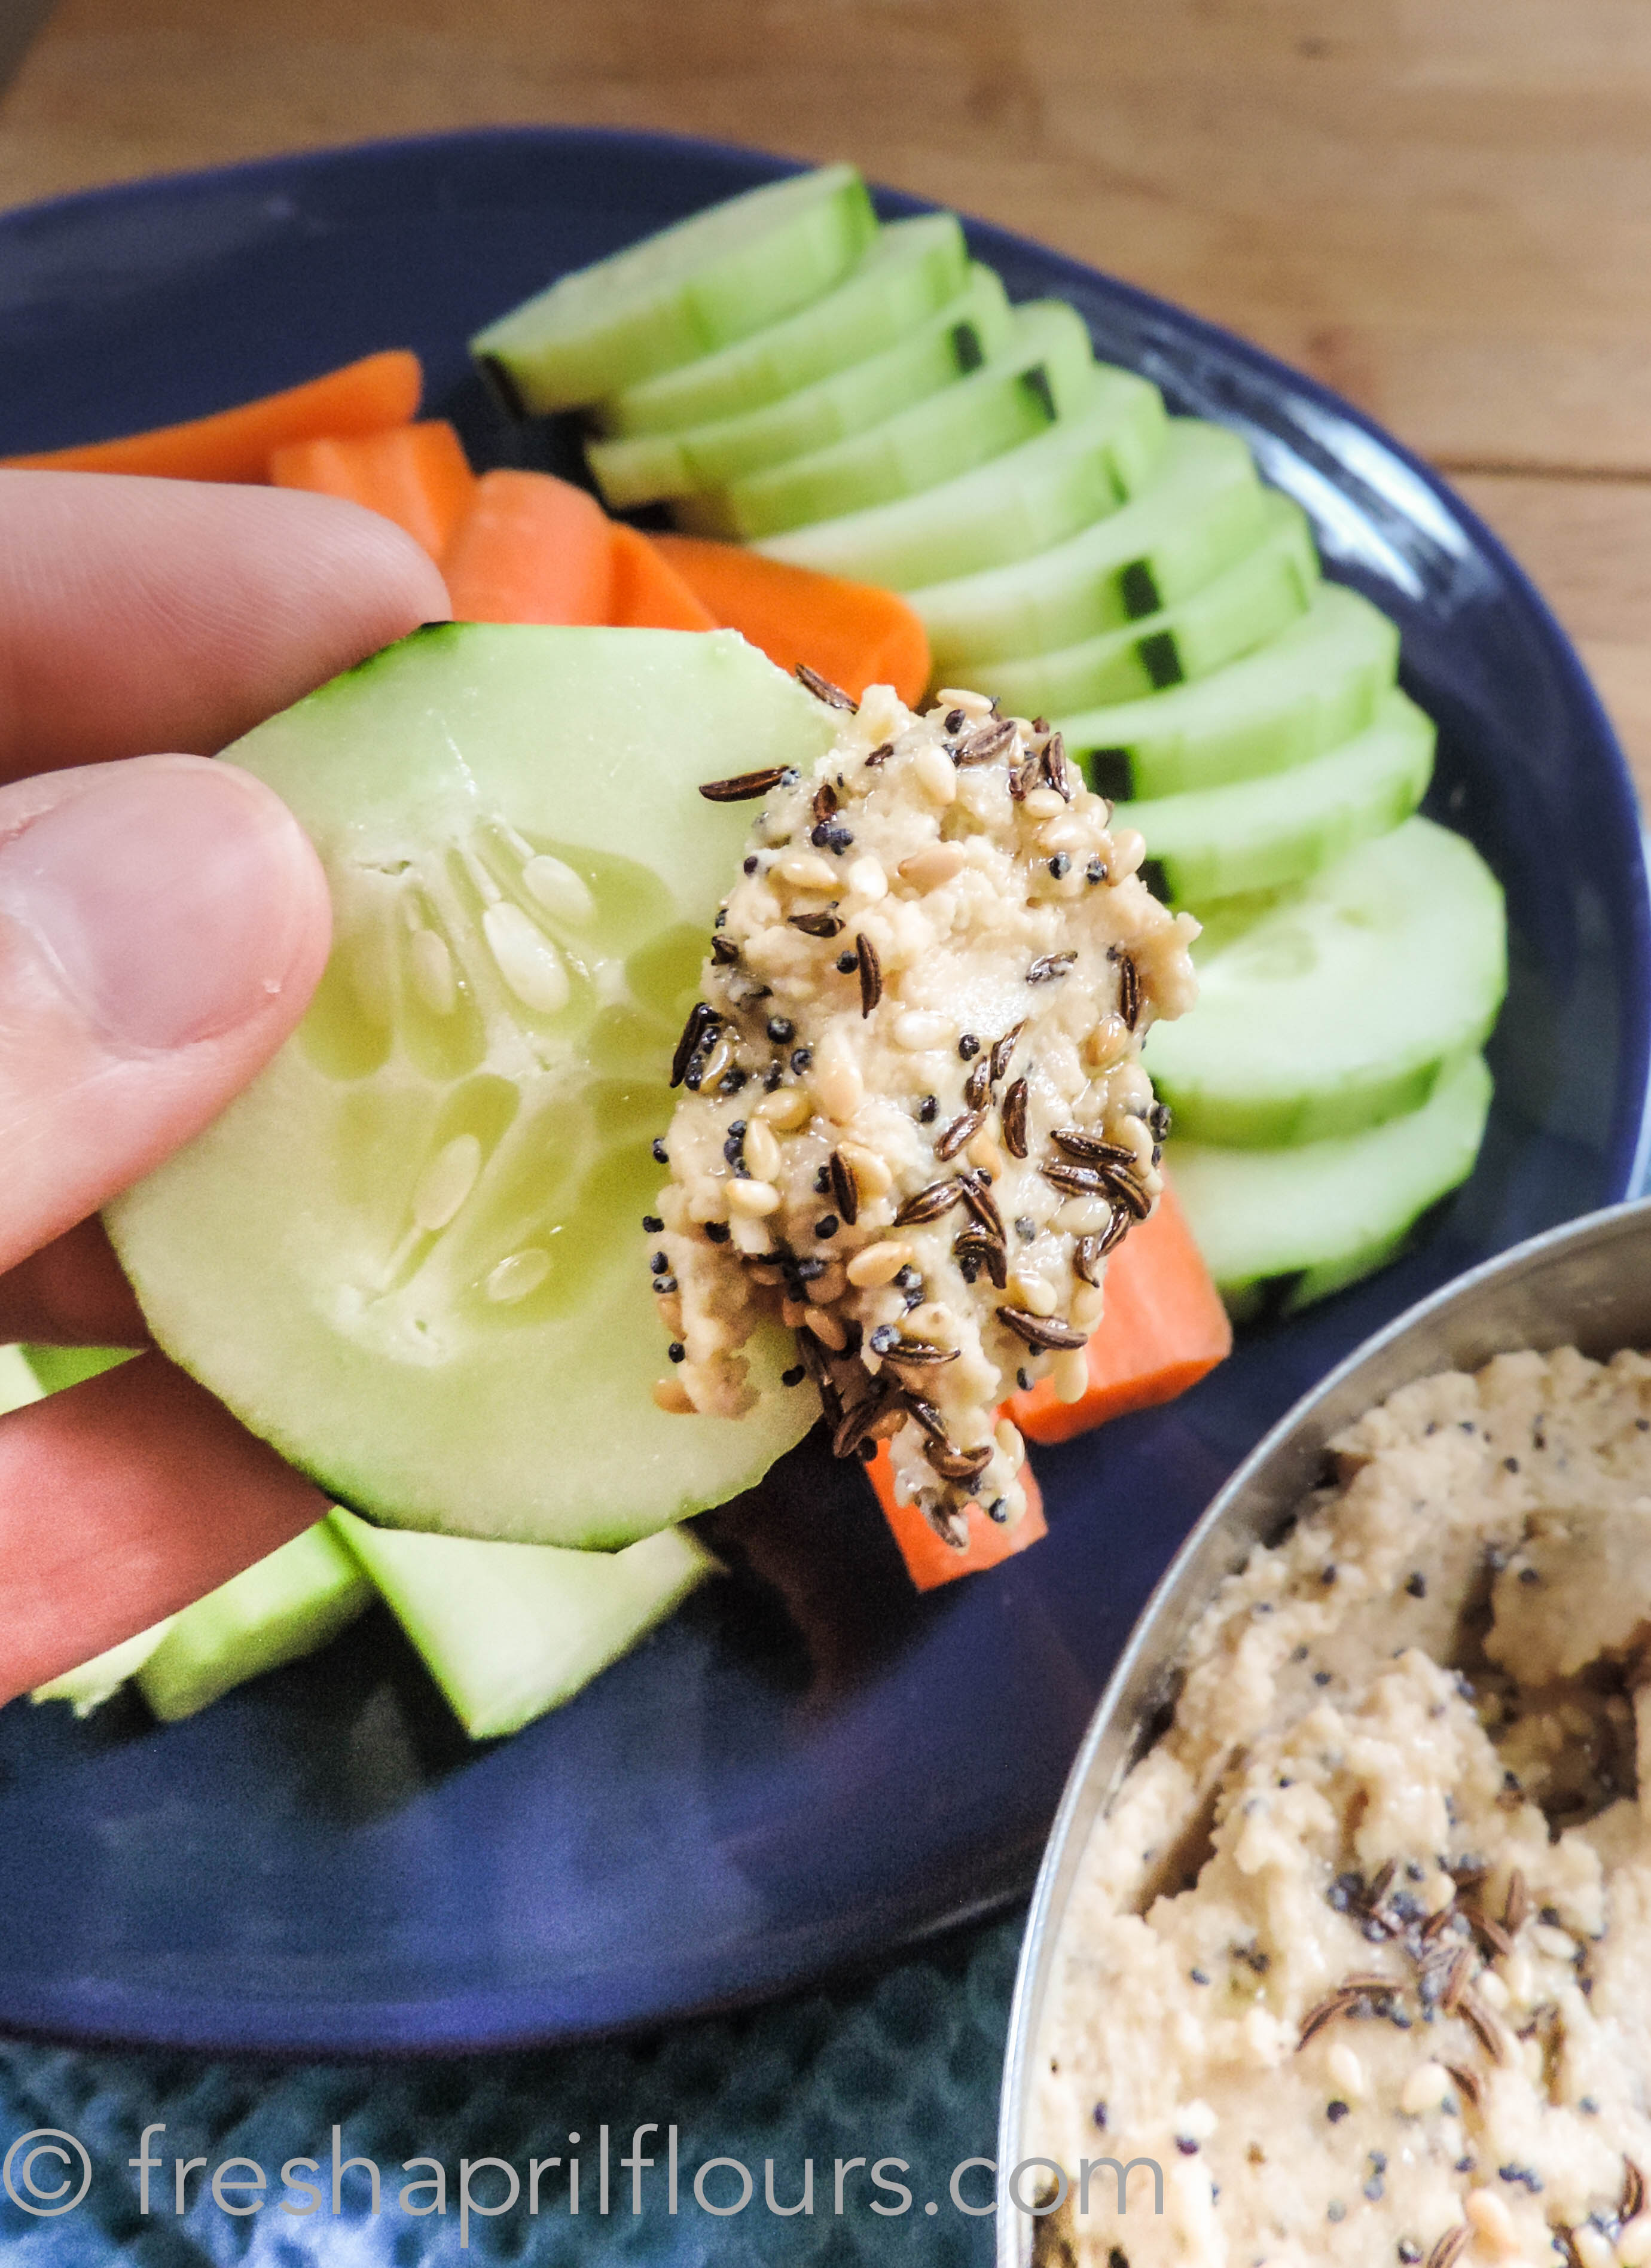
{"points": [[930, 1562], [234, 445], [853, 633], [418, 476], [1164, 1326], [531, 549], [648, 593]]}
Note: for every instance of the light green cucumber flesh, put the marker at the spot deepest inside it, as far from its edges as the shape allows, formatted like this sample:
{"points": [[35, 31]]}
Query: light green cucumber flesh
{"points": [[290, 1604], [718, 277], [947, 345], [57, 1367], [437, 1186], [1263, 591], [97, 1680], [1312, 687], [1263, 833], [1016, 504], [1345, 1002], [1200, 511], [508, 1630], [1046, 372], [910, 269], [1279, 1228]]}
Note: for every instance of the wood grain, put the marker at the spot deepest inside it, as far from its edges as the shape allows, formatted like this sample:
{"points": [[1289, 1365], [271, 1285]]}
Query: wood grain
{"points": [[1441, 207]]}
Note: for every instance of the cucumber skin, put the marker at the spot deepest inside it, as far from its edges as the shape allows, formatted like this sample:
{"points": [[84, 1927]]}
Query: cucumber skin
{"points": [[1313, 685], [642, 469], [1230, 1081], [1325, 1214], [729, 295], [1046, 374], [1008, 509], [910, 269], [1201, 512], [1264, 834], [1260, 595]]}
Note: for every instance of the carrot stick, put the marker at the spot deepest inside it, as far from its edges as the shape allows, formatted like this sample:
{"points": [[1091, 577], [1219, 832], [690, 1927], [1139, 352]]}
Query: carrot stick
{"points": [[531, 549], [930, 1562], [1164, 1326], [648, 591], [852, 633], [234, 445], [418, 476]]}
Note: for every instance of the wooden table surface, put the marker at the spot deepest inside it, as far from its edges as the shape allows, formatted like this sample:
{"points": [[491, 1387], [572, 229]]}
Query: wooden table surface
{"points": [[1441, 207]]}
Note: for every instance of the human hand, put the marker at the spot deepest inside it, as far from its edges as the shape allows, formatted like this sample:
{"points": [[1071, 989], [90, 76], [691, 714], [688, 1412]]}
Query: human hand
{"points": [[163, 923]]}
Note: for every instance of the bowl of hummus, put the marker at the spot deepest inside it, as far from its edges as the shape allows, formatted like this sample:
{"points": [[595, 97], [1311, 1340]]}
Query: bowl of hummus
{"points": [[1341, 1948]]}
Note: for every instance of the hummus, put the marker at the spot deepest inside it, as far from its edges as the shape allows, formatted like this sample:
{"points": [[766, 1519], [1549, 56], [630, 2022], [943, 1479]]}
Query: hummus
{"points": [[1361, 1954], [914, 1120]]}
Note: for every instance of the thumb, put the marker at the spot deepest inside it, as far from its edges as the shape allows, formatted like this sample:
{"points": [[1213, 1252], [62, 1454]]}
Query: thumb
{"points": [[163, 923]]}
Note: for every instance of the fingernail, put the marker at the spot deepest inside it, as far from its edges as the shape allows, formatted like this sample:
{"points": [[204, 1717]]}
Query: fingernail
{"points": [[169, 894]]}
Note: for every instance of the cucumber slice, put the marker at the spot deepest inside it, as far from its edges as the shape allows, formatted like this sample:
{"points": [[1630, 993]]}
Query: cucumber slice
{"points": [[711, 279], [1346, 1002], [292, 1603], [1279, 1228], [1262, 833], [57, 1367], [958, 338], [1044, 373], [1250, 601], [909, 269], [99, 1680], [1017, 505], [1200, 511], [408, 1255], [509, 1630], [1313, 685]]}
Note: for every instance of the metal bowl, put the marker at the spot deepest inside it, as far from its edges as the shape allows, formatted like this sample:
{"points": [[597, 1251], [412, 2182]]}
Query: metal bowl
{"points": [[1586, 1284]]}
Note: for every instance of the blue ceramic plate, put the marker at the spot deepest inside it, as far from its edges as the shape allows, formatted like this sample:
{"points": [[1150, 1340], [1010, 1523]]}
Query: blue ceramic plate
{"points": [[809, 1766]]}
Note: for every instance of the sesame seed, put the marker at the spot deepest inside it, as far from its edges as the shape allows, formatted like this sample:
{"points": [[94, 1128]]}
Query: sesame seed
{"points": [[659, 1264], [717, 1231], [1060, 865], [662, 1155], [677, 1351], [749, 866], [781, 1030], [826, 1227], [968, 1047], [800, 1059], [651, 1223], [847, 963], [1336, 2111], [928, 1108], [793, 1377]]}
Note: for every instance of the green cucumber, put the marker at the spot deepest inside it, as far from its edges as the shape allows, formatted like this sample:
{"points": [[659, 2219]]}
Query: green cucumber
{"points": [[1279, 1228], [1345, 1002], [1044, 373], [56, 1366], [292, 1602], [909, 269], [958, 338], [1201, 511], [436, 1186], [713, 278], [1014, 506], [1313, 685], [1261, 593], [507, 1631], [1262, 833], [95, 1681]]}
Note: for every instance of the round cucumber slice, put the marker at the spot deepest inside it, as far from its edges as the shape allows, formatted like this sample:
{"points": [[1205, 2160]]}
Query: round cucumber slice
{"points": [[1045, 372], [912, 269], [1345, 1002], [1263, 833], [715, 278], [1279, 1228], [1007, 509], [1261, 593], [411, 1254], [1200, 511], [1311, 688], [947, 345]]}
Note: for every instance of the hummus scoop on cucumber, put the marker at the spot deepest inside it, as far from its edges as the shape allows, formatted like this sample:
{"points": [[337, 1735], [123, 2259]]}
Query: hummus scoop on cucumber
{"points": [[705, 1048]]}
